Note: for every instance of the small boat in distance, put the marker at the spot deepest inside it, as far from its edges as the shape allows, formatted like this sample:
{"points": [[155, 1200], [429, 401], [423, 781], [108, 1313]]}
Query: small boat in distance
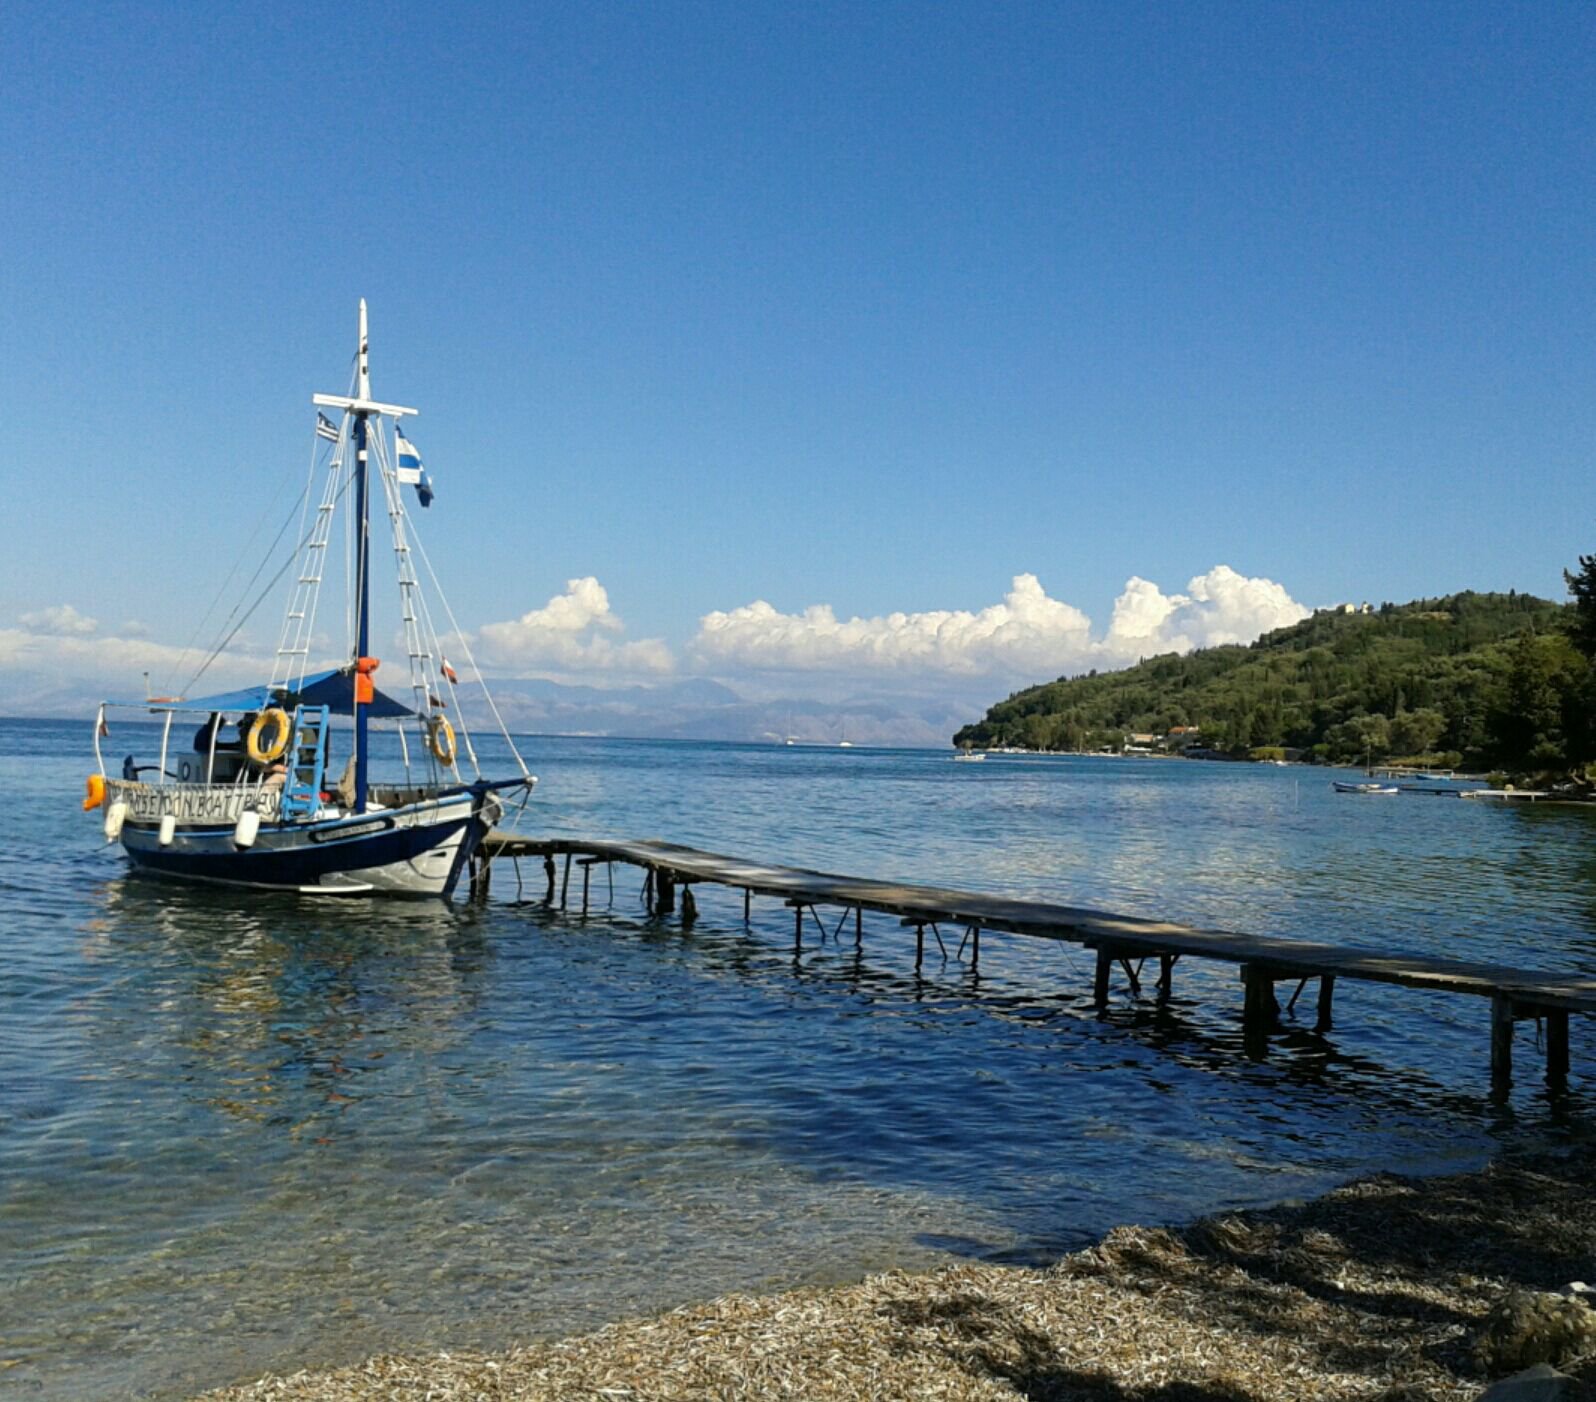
{"points": [[969, 756], [260, 807], [1342, 787]]}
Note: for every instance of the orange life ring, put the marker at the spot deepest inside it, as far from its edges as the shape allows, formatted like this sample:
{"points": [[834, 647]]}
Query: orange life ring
{"points": [[94, 791], [276, 723], [440, 740]]}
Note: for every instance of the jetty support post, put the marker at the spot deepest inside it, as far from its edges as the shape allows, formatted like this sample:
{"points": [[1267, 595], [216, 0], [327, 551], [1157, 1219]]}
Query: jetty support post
{"points": [[1556, 1046], [1105, 967], [587, 864], [1327, 994], [972, 937], [858, 927], [664, 892], [1166, 975], [565, 880], [1501, 1042], [1505, 1011], [689, 908], [1259, 1008], [548, 871], [748, 903], [480, 868]]}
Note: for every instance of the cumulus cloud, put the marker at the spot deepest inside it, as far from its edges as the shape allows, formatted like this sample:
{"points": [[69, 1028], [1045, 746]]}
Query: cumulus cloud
{"points": [[1027, 631], [575, 631], [1027, 635], [60, 619], [1219, 607]]}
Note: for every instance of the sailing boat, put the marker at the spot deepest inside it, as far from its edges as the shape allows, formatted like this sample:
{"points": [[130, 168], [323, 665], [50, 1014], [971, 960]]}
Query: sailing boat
{"points": [[262, 809]]}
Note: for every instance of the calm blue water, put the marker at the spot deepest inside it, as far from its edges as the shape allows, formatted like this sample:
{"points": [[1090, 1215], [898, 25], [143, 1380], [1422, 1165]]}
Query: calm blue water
{"points": [[271, 1133]]}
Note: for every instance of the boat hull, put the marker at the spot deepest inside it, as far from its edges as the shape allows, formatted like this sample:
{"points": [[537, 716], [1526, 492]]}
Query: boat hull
{"points": [[418, 850]]}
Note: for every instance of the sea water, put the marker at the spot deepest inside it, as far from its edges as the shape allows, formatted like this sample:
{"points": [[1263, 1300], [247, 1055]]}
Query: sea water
{"points": [[242, 1133]]}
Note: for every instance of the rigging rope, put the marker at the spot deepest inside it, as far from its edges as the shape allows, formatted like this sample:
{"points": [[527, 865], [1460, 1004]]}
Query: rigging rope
{"points": [[260, 597]]}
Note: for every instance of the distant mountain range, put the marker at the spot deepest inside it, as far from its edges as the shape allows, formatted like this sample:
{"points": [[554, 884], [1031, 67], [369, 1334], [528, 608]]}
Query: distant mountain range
{"points": [[685, 710], [709, 710]]}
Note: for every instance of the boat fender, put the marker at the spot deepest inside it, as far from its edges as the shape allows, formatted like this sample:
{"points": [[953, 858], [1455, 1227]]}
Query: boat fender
{"points": [[168, 828], [115, 816], [93, 791], [246, 829], [273, 723], [440, 740]]}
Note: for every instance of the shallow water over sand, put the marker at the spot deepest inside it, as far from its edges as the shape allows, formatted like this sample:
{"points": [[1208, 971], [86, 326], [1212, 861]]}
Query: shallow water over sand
{"points": [[265, 1134]]}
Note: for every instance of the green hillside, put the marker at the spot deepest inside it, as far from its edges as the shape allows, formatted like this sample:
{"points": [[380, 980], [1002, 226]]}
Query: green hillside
{"points": [[1433, 678]]}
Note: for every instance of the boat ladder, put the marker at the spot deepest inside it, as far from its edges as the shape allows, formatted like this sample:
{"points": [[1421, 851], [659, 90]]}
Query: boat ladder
{"points": [[307, 759]]}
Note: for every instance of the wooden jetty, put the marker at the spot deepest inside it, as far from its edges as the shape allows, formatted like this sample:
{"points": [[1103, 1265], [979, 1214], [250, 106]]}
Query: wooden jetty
{"points": [[1120, 942]]}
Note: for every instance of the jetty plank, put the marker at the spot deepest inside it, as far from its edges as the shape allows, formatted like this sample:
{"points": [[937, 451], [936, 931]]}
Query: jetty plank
{"points": [[1122, 935], [1515, 993]]}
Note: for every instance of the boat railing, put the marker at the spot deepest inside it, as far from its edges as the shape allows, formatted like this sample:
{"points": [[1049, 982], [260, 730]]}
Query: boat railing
{"points": [[193, 803]]}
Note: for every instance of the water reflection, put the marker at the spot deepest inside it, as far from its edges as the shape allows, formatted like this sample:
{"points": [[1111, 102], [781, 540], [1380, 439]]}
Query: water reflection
{"points": [[270, 1133]]}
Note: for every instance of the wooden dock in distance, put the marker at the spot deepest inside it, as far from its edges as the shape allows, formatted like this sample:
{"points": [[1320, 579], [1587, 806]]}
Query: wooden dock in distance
{"points": [[1123, 942]]}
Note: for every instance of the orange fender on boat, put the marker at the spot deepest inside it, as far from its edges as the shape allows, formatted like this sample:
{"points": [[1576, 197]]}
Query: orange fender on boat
{"points": [[93, 791]]}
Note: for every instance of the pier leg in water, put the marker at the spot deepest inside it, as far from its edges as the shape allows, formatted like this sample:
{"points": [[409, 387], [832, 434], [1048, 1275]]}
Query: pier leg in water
{"points": [[1327, 993], [666, 888], [919, 945], [565, 881], [587, 873], [689, 908], [1556, 1046], [858, 927], [748, 904], [797, 926], [1166, 975], [1105, 966], [1501, 1044], [1259, 1011], [548, 871]]}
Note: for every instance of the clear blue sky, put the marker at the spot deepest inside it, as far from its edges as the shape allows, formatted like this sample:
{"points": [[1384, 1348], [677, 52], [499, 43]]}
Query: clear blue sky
{"points": [[876, 306]]}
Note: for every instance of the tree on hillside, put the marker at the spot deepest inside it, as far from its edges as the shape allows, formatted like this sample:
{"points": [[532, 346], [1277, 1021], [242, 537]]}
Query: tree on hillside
{"points": [[1582, 625], [1416, 732], [1363, 736], [1537, 722]]}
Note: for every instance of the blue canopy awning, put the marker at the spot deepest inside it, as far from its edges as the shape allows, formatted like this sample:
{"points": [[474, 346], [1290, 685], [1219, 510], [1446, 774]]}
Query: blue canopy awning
{"points": [[335, 690]]}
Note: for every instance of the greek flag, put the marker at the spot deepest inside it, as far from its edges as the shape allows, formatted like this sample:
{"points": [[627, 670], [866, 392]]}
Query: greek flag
{"points": [[410, 469], [326, 428]]}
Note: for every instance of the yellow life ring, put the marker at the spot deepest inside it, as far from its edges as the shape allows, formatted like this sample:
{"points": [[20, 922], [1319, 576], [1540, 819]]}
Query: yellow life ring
{"points": [[440, 740], [276, 723], [94, 791]]}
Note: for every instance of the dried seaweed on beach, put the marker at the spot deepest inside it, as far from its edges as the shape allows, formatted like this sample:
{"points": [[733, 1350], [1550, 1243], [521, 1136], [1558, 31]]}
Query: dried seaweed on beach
{"points": [[1370, 1292]]}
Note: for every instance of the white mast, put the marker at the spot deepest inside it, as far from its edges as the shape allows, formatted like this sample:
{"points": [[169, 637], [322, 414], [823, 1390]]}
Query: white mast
{"points": [[363, 381]]}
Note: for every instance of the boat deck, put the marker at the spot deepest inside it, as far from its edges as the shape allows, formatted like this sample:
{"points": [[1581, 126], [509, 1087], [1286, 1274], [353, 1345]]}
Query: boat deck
{"points": [[1516, 993]]}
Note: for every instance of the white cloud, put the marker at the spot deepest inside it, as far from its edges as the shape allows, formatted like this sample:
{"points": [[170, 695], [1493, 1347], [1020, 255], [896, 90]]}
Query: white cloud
{"points": [[1218, 607], [60, 619], [1026, 632], [1028, 635], [107, 666], [569, 634]]}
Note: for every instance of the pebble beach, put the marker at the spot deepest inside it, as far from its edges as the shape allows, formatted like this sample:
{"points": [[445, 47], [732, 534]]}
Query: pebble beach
{"points": [[1375, 1290]]}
